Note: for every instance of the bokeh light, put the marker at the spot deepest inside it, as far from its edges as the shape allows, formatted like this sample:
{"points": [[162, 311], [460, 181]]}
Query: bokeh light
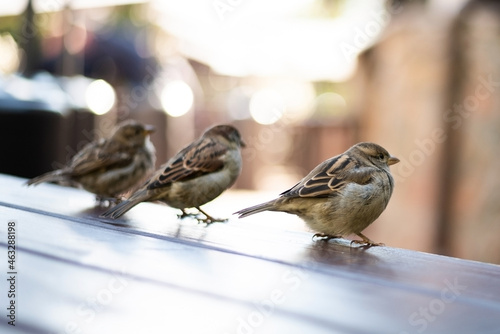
{"points": [[177, 98], [237, 103], [298, 97], [10, 54], [267, 106], [100, 97], [330, 104]]}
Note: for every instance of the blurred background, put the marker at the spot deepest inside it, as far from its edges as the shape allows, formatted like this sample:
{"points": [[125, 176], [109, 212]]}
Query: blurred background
{"points": [[303, 80]]}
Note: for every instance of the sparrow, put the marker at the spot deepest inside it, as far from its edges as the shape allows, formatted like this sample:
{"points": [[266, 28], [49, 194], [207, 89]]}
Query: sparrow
{"points": [[110, 166], [340, 196], [196, 175]]}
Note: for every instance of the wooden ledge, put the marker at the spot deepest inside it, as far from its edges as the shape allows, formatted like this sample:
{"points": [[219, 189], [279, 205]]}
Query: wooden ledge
{"points": [[150, 272]]}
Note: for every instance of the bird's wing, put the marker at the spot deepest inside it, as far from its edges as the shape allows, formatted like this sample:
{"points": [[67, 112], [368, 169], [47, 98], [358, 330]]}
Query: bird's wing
{"points": [[328, 178], [98, 155], [202, 157]]}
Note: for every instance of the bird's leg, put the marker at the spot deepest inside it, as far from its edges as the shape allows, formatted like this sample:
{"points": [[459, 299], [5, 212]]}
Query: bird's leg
{"points": [[100, 201], [366, 241], [186, 214], [209, 219], [324, 237]]}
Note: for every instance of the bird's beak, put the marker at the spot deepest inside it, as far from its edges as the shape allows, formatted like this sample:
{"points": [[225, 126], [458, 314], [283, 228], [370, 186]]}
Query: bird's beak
{"points": [[392, 161], [242, 143], [149, 129]]}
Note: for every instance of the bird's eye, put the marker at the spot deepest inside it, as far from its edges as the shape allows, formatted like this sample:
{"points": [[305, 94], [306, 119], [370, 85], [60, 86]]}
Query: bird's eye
{"points": [[380, 156]]}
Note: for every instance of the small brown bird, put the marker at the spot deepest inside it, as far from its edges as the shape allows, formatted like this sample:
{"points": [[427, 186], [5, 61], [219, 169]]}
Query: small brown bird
{"points": [[194, 176], [342, 195], [109, 167]]}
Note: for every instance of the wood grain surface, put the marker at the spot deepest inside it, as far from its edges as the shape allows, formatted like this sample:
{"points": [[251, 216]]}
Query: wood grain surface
{"points": [[150, 272]]}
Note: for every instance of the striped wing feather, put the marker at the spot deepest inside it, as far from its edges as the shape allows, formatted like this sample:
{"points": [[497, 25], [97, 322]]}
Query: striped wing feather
{"points": [[98, 155], [200, 158], [329, 177]]}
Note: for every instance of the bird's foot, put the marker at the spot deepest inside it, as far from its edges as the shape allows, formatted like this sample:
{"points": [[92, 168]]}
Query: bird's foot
{"points": [[185, 214], [107, 202], [201, 216], [209, 219], [366, 241], [324, 237]]}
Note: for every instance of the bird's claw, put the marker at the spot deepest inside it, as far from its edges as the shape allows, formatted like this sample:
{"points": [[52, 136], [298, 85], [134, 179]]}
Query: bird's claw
{"points": [[207, 219], [107, 202], [185, 214], [210, 220], [367, 243]]}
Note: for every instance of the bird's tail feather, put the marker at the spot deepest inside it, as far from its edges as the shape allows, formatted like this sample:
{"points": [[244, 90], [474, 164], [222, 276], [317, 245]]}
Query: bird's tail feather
{"points": [[119, 209], [54, 176], [267, 206], [122, 207]]}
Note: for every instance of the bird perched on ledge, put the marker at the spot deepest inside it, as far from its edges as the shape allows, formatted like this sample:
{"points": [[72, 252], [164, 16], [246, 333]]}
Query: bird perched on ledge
{"points": [[109, 167], [342, 195], [194, 176]]}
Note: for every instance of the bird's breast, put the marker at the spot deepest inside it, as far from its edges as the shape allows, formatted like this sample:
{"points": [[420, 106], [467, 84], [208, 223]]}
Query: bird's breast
{"points": [[203, 189]]}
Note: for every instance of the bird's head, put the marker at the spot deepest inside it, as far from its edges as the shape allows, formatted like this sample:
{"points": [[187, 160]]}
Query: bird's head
{"points": [[228, 133], [132, 133], [373, 154]]}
